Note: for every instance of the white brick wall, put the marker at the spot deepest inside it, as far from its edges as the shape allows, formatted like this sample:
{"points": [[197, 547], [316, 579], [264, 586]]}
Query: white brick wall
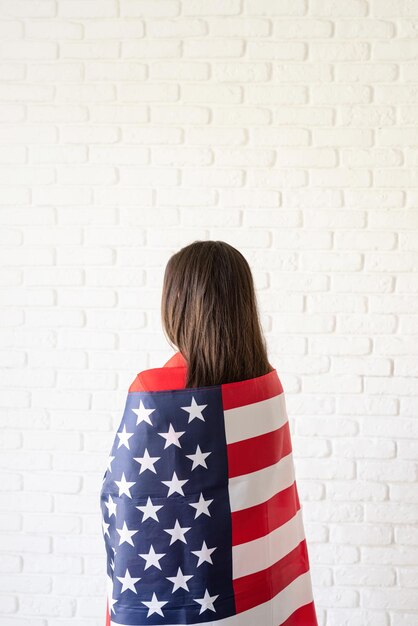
{"points": [[288, 128]]}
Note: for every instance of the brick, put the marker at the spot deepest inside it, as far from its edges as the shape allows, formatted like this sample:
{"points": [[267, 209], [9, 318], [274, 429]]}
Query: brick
{"points": [[302, 28], [366, 73], [10, 29], [85, 93], [306, 157], [11, 71], [339, 8], [27, 134], [26, 175], [61, 195], [239, 26], [55, 72], [277, 50], [251, 157], [143, 8], [12, 154], [125, 114], [89, 134], [342, 137], [41, 29], [150, 177], [359, 617], [161, 92], [394, 8], [213, 48], [87, 8], [363, 29], [29, 49], [341, 94], [56, 113], [177, 28], [302, 72], [152, 49], [212, 177], [115, 71], [85, 175], [239, 72], [339, 51], [284, 8], [21, 92], [57, 154], [114, 29], [28, 8], [395, 599], [89, 50], [389, 386]]}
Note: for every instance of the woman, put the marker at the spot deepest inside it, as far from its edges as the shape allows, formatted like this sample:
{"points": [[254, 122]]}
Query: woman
{"points": [[201, 516]]}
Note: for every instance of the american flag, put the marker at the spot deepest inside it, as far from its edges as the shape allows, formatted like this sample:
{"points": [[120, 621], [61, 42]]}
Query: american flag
{"points": [[200, 510]]}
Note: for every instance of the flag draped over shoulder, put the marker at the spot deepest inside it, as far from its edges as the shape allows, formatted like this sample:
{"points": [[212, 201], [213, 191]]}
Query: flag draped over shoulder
{"points": [[201, 517]]}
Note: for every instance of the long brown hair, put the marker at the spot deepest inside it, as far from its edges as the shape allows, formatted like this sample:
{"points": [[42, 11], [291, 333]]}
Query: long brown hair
{"points": [[209, 313]]}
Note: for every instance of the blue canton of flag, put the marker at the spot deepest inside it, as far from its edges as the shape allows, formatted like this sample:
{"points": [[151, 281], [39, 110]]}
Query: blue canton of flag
{"points": [[166, 510]]}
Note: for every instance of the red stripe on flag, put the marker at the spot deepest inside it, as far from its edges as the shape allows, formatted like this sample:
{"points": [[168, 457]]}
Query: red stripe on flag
{"points": [[254, 589], [261, 519], [255, 453], [304, 616], [250, 390], [107, 613]]}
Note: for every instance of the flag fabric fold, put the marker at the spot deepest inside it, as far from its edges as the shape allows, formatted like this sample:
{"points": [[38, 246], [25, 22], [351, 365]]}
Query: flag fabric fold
{"points": [[201, 517]]}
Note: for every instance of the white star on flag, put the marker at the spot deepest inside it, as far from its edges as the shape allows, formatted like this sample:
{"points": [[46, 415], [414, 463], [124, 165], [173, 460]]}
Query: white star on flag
{"points": [[111, 603], [111, 506], [177, 533], [124, 437], [126, 534], [109, 462], [154, 605], [204, 554], [179, 580], [143, 414], [206, 602], [124, 486], [195, 410], [198, 458], [105, 528], [202, 506], [175, 485], [152, 558], [172, 437], [147, 462], [150, 510], [128, 582]]}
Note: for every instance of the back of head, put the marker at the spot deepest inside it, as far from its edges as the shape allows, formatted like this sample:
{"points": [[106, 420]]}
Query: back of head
{"points": [[209, 313]]}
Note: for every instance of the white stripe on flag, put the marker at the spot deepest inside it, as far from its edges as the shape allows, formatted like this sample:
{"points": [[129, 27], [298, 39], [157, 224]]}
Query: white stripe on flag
{"points": [[255, 419], [275, 611], [261, 553], [257, 487]]}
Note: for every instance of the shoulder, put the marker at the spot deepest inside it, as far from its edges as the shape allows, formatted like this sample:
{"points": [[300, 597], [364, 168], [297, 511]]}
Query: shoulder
{"points": [[172, 375]]}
